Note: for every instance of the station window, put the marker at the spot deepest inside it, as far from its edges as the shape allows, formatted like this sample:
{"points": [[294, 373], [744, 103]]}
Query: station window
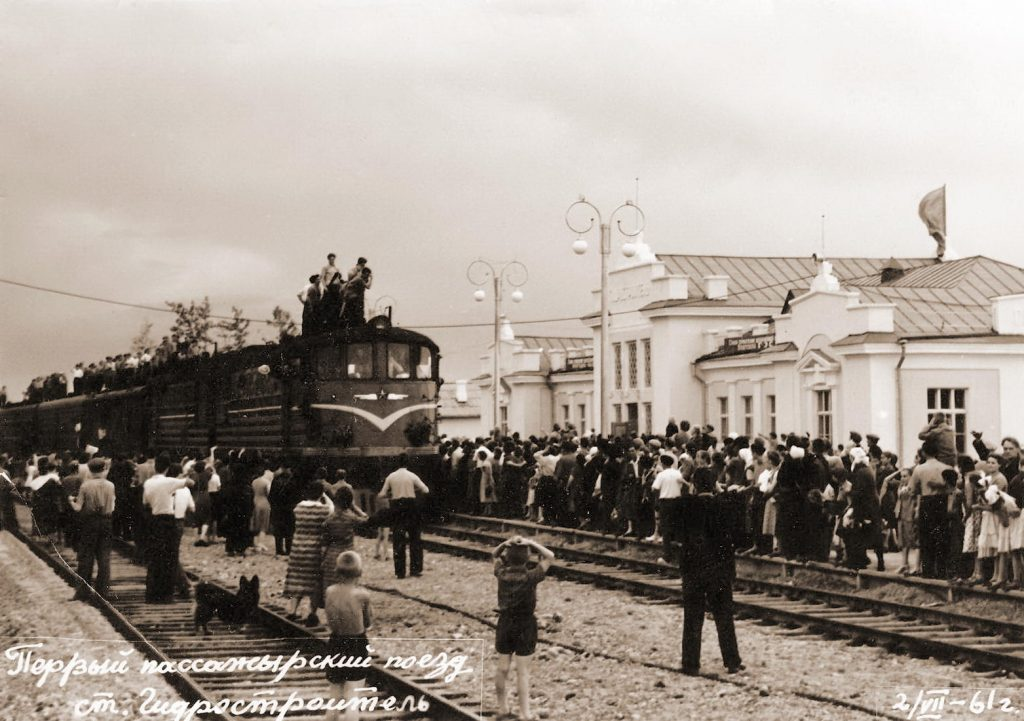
{"points": [[360, 360], [631, 349], [952, 402], [582, 408], [617, 352], [425, 364], [647, 363], [771, 414], [823, 400], [648, 421], [748, 416], [723, 416]]}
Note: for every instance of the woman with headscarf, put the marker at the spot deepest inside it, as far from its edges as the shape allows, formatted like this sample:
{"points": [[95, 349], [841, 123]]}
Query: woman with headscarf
{"points": [[790, 503], [485, 483]]}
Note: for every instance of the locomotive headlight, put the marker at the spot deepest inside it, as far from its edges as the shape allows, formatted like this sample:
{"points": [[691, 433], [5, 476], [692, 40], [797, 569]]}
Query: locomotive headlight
{"points": [[264, 370], [517, 296], [479, 295]]}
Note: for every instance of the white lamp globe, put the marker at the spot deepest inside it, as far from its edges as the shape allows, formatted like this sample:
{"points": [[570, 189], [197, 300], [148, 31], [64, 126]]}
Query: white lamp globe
{"points": [[479, 295], [517, 296], [579, 247], [264, 370], [629, 250]]}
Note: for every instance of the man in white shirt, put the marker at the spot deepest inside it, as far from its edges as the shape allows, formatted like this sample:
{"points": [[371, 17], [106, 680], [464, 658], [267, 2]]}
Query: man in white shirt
{"points": [[401, 487], [161, 544], [669, 485]]}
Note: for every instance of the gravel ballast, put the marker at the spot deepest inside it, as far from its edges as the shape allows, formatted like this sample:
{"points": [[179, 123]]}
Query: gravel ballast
{"points": [[643, 640], [37, 609]]}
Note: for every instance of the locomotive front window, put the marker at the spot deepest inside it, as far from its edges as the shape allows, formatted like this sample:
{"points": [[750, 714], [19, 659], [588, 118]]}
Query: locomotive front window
{"points": [[399, 361], [425, 365], [360, 360]]}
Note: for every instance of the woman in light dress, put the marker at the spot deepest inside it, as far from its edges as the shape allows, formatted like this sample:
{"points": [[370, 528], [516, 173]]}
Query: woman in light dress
{"points": [[766, 484]]}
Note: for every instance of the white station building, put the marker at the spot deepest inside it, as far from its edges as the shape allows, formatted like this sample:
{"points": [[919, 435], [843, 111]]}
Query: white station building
{"points": [[753, 345]]}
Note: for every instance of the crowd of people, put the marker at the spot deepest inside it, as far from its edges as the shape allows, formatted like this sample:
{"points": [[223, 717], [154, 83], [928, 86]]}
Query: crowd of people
{"points": [[799, 498], [124, 370], [704, 499], [240, 499], [332, 299]]}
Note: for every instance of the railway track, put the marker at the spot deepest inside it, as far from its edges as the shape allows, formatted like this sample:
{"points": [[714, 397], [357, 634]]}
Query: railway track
{"points": [[747, 564], [988, 645], [164, 634]]}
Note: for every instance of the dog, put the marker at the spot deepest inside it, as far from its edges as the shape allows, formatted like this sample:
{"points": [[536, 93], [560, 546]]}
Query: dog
{"points": [[234, 609]]}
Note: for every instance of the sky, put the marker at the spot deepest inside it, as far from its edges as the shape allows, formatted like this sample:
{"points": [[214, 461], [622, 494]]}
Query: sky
{"points": [[167, 151]]}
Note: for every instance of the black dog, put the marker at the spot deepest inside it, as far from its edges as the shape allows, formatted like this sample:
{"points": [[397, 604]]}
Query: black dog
{"points": [[234, 609]]}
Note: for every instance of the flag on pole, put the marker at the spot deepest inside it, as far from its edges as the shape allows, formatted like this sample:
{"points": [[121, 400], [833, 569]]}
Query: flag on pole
{"points": [[933, 212]]}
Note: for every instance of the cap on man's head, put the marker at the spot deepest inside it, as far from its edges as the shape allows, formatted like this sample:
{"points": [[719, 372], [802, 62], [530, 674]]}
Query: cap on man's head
{"points": [[361, 261], [96, 465], [331, 255]]}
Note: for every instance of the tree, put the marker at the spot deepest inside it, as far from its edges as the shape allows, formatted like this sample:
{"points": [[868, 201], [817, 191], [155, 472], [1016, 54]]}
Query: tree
{"points": [[234, 332], [143, 340], [282, 321], [193, 325]]}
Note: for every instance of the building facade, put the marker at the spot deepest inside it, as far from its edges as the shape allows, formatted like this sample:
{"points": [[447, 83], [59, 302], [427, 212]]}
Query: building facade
{"points": [[753, 345]]}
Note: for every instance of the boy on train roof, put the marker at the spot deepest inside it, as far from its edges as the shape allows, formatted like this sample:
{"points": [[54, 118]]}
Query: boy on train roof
{"points": [[517, 624]]}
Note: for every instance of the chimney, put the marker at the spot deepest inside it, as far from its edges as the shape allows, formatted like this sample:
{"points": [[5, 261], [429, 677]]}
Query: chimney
{"points": [[892, 271], [716, 287]]}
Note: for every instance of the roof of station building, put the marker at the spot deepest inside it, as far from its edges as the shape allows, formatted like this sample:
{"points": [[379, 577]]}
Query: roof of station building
{"points": [[931, 297], [547, 343]]}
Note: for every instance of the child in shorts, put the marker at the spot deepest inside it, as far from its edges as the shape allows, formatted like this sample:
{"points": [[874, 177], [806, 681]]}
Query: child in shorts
{"points": [[517, 625], [348, 614]]}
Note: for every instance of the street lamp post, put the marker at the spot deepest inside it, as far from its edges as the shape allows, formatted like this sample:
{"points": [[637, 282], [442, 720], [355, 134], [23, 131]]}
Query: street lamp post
{"points": [[629, 250], [516, 275]]}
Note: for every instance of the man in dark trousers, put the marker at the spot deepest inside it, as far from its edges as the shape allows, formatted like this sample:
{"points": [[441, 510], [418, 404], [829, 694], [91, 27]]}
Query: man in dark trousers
{"points": [[162, 542], [707, 526], [400, 488]]}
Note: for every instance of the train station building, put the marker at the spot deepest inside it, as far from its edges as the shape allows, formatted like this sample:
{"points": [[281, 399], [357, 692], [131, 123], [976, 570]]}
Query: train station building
{"points": [[752, 345]]}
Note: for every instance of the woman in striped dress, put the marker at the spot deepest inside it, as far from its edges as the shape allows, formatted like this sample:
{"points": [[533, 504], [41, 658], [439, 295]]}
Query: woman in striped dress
{"points": [[303, 575]]}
